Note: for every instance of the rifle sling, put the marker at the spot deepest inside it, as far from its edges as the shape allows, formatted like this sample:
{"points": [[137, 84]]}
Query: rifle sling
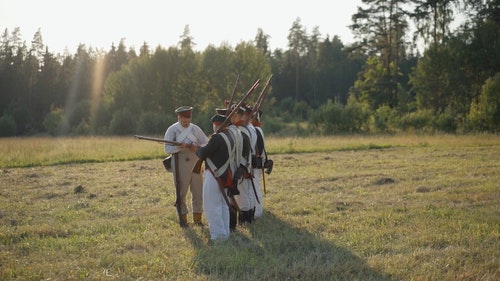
{"points": [[221, 188], [254, 190]]}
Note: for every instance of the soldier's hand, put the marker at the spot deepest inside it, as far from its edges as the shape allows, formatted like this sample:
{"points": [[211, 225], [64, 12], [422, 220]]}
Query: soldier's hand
{"points": [[239, 173], [234, 189], [193, 147]]}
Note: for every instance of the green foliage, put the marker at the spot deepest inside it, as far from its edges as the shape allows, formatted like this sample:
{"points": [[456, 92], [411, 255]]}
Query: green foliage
{"points": [[122, 122], [370, 24], [375, 86], [333, 118], [273, 125], [432, 19], [100, 119], [445, 122], [430, 79], [420, 120], [252, 64], [485, 113], [53, 121], [301, 110], [83, 129], [23, 118], [330, 118], [78, 114], [7, 126], [202, 119], [92, 87], [154, 123], [384, 119], [358, 114]]}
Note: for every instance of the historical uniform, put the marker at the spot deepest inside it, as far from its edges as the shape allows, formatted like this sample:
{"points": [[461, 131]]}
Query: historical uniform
{"points": [[219, 165], [258, 161], [254, 185], [184, 157], [246, 198]]}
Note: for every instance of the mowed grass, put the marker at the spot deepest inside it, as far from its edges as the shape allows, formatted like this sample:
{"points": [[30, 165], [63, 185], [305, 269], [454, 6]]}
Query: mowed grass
{"points": [[46, 151], [357, 208]]}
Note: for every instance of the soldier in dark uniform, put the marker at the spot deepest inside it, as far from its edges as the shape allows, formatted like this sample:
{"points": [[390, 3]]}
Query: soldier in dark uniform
{"points": [[219, 166], [245, 199], [260, 162]]}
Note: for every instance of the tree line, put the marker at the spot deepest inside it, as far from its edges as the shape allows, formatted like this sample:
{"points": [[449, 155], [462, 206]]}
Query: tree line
{"points": [[379, 83]]}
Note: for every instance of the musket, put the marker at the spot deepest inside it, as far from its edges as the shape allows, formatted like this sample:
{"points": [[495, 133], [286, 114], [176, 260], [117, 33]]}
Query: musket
{"points": [[261, 96], [176, 143], [222, 189], [197, 166], [237, 106], [234, 91], [254, 190], [178, 198]]}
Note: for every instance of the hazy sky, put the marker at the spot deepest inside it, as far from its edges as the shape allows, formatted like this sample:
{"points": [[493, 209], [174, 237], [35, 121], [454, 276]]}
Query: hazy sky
{"points": [[99, 23]]}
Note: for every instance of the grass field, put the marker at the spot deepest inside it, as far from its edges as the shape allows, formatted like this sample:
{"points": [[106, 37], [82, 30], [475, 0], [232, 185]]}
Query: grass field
{"points": [[340, 208]]}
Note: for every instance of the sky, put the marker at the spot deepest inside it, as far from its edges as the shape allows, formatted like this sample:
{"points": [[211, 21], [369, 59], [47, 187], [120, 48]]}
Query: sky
{"points": [[64, 24]]}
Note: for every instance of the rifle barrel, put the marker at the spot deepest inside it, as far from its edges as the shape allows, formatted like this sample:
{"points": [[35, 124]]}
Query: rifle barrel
{"points": [[234, 91], [228, 117], [158, 140], [261, 96], [197, 166]]}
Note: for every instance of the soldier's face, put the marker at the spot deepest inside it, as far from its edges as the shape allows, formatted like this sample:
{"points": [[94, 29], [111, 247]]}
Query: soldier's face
{"points": [[246, 117], [235, 118], [184, 121]]}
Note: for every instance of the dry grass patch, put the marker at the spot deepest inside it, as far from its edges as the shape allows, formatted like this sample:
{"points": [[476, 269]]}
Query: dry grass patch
{"points": [[418, 212]]}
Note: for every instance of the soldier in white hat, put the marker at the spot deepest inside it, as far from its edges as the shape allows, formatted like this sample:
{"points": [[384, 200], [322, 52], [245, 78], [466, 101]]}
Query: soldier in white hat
{"points": [[184, 158]]}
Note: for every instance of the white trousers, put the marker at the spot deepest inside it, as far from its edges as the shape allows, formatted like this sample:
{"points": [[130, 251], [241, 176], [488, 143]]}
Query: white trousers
{"points": [[246, 198], [257, 173], [215, 207]]}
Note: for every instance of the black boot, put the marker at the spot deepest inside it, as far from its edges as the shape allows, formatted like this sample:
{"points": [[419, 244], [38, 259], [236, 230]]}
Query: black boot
{"points": [[241, 217], [233, 218], [249, 216], [245, 217]]}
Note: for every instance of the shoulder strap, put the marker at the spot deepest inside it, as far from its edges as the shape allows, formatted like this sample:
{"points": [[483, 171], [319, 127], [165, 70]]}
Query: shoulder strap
{"points": [[218, 171], [185, 133], [238, 143]]}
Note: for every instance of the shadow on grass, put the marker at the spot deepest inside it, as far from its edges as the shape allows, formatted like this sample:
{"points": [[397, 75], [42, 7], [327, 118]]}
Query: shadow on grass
{"points": [[272, 249]]}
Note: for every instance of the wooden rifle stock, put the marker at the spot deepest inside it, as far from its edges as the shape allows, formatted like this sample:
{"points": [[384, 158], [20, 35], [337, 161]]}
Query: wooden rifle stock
{"points": [[178, 198], [176, 143], [197, 166]]}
